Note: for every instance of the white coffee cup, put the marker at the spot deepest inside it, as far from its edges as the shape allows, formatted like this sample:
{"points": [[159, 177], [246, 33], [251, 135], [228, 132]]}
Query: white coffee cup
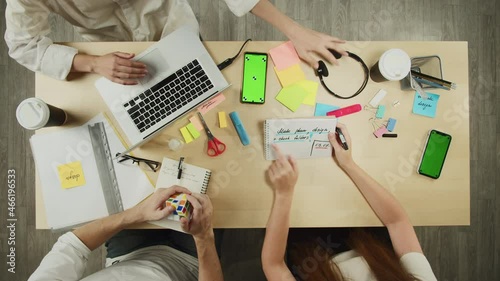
{"points": [[393, 65], [34, 113]]}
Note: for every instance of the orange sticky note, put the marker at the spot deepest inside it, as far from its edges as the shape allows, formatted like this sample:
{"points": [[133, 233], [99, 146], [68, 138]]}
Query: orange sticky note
{"points": [[196, 122], [290, 75], [206, 107]]}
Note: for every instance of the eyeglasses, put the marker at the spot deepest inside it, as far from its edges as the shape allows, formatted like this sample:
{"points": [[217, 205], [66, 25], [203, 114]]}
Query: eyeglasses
{"points": [[144, 164]]}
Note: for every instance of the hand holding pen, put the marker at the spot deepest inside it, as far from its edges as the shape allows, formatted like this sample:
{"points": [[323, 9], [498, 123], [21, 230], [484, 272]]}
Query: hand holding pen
{"points": [[341, 143]]}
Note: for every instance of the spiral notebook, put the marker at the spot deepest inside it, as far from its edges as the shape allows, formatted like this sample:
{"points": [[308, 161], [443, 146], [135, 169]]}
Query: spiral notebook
{"points": [[194, 178], [300, 138]]}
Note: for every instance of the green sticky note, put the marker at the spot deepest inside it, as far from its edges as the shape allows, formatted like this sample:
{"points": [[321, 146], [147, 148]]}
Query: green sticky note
{"points": [[311, 88], [292, 97], [192, 130], [186, 135]]}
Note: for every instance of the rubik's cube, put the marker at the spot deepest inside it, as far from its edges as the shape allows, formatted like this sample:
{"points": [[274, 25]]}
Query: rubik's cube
{"points": [[183, 208]]}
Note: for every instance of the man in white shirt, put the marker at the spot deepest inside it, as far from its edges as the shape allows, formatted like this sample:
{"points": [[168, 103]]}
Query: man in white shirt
{"points": [[68, 257], [127, 20]]}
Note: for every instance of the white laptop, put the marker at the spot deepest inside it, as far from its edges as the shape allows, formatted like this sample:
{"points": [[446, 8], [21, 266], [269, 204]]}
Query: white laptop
{"points": [[181, 76]]}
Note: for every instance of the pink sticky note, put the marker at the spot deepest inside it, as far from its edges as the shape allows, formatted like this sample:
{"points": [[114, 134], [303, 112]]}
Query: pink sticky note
{"points": [[206, 107], [284, 55], [196, 122], [380, 131]]}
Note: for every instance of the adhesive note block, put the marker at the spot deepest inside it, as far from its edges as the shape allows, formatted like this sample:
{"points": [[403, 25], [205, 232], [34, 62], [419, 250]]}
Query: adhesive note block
{"points": [[222, 119], [71, 175], [292, 97], [206, 107], [192, 130], [380, 131], [196, 123], [284, 55], [186, 135], [321, 109], [311, 88], [380, 112], [425, 107], [391, 124], [290, 75], [378, 98]]}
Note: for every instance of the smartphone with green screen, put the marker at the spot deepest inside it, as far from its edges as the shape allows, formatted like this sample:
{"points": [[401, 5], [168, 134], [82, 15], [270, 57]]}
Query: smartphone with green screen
{"points": [[253, 89], [436, 148]]}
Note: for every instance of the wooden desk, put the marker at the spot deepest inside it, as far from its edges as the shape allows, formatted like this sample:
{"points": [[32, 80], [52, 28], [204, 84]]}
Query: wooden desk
{"points": [[324, 195]]}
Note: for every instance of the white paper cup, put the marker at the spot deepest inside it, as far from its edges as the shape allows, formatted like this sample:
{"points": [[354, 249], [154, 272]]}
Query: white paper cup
{"points": [[34, 113], [393, 65]]}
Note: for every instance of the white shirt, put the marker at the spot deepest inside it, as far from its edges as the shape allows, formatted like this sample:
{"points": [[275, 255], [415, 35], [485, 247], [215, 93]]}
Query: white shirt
{"points": [[27, 26], [354, 267], [68, 258]]}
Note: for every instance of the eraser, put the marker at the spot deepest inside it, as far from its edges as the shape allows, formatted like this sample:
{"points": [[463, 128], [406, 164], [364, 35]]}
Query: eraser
{"points": [[378, 98], [240, 129], [222, 119], [391, 124], [380, 112], [380, 131], [186, 135]]}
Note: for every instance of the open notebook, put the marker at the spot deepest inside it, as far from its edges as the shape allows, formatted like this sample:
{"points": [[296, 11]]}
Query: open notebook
{"points": [[193, 178], [72, 188], [300, 138]]}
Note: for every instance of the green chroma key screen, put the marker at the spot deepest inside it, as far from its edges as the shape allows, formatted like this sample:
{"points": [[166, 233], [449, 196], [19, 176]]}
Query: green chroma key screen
{"points": [[254, 78], [434, 154]]}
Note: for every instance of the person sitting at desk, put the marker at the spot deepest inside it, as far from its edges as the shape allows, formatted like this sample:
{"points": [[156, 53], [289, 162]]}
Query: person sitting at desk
{"points": [[364, 257], [136, 257], [106, 20]]}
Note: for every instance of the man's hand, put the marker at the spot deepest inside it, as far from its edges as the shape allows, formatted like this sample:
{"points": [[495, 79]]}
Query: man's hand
{"points": [[283, 173], [344, 157], [119, 68], [200, 224], [153, 208]]}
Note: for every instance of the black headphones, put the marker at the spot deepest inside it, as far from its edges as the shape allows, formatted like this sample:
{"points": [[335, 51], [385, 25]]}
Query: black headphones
{"points": [[322, 71]]}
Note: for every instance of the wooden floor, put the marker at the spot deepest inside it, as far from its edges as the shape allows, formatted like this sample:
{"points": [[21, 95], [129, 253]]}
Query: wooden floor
{"points": [[455, 253]]}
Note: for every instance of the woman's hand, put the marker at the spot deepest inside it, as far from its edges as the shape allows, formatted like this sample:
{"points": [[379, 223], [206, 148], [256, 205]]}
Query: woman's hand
{"points": [[343, 156], [283, 173]]}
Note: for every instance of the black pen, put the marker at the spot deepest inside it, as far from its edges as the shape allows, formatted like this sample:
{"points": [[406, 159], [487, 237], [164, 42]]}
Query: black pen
{"points": [[342, 139], [179, 174]]}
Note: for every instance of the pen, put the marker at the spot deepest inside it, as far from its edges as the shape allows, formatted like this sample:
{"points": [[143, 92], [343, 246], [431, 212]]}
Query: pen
{"points": [[342, 139], [179, 174]]}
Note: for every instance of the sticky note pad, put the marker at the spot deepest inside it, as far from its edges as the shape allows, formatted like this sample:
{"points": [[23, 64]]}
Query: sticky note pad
{"points": [[391, 124], [71, 175], [380, 112], [196, 123], [380, 131], [311, 88], [186, 135], [321, 109], [292, 97], [222, 119], [290, 75], [284, 55], [192, 130], [206, 107], [425, 107]]}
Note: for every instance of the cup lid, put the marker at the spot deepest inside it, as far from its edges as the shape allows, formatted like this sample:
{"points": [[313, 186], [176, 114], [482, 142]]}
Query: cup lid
{"points": [[394, 64], [32, 113]]}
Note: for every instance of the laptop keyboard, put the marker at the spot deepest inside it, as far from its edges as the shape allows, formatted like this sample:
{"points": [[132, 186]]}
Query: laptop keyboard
{"points": [[168, 96]]}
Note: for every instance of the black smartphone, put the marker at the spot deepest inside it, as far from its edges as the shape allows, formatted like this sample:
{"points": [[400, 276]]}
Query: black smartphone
{"points": [[253, 89], [436, 148]]}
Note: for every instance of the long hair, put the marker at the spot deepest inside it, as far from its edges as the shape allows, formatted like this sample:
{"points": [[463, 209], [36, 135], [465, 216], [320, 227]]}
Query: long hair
{"points": [[316, 261]]}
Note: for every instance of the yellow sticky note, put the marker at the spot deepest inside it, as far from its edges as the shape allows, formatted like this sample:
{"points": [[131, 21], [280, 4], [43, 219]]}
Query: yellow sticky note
{"points": [[222, 119], [311, 88], [71, 175], [186, 135], [292, 97], [192, 130], [290, 75]]}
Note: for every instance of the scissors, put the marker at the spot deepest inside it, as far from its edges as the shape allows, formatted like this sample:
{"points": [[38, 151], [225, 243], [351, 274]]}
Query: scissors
{"points": [[215, 147]]}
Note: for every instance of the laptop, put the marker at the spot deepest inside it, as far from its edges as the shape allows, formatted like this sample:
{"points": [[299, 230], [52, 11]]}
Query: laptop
{"points": [[181, 76]]}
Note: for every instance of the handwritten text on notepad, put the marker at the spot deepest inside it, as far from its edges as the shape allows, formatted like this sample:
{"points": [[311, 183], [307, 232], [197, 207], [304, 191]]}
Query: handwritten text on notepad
{"points": [[298, 135]]}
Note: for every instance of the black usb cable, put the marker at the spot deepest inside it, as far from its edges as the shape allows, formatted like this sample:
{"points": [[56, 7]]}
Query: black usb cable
{"points": [[229, 61]]}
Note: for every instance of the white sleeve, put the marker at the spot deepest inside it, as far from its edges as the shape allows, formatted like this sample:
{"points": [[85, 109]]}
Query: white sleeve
{"points": [[241, 7], [66, 261], [417, 265], [27, 27]]}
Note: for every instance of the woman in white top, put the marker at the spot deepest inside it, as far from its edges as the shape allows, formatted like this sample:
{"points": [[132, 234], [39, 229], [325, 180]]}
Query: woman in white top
{"points": [[319, 259], [27, 27]]}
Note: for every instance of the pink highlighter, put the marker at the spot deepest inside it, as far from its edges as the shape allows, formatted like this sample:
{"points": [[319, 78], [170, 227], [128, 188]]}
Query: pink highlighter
{"points": [[345, 110]]}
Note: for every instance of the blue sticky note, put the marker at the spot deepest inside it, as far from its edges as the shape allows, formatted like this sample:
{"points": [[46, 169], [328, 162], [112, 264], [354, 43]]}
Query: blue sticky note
{"points": [[321, 109], [391, 124], [425, 107]]}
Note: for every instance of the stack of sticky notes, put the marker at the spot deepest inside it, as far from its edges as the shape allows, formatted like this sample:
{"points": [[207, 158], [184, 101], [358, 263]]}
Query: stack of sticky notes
{"points": [[190, 133], [296, 89]]}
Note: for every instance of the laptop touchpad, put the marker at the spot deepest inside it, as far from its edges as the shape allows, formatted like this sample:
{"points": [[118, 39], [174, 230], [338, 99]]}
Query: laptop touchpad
{"points": [[155, 64]]}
